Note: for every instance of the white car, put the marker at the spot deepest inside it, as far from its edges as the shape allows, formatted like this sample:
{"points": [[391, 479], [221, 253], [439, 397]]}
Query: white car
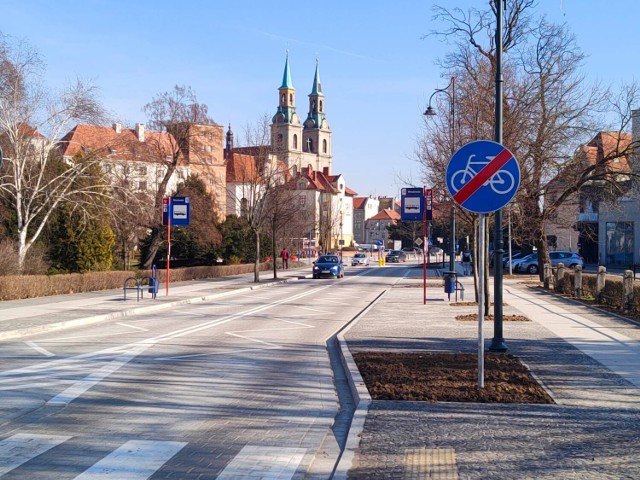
{"points": [[359, 259]]}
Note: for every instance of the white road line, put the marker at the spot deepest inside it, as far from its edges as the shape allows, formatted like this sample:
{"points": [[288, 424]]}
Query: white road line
{"points": [[132, 326], [135, 460], [78, 388], [22, 447], [38, 348], [254, 462]]}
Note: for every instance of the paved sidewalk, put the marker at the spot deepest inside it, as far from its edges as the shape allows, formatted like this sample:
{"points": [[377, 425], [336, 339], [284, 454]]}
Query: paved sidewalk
{"points": [[38, 315], [588, 360]]}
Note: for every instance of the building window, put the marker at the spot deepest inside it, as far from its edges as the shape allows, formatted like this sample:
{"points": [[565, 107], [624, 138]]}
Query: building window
{"points": [[209, 148], [142, 186], [279, 139], [291, 98], [302, 200], [324, 146], [210, 136], [619, 243], [294, 170], [244, 207], [321, 105], [107, 169], [142, 170], [126, 169], [295, 141]]}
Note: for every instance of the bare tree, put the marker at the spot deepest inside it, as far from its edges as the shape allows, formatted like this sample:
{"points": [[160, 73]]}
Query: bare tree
{"points": [[549, 108], [174, 114], [256, 174], [34, 179]]}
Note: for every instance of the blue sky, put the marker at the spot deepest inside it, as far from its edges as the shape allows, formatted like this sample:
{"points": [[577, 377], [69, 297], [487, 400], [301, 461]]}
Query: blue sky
{"points": [[377, 71]]}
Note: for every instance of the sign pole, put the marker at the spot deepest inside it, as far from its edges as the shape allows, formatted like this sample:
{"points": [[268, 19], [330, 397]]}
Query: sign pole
{"points": [[425, 250], [170, 213], [481, 264]]}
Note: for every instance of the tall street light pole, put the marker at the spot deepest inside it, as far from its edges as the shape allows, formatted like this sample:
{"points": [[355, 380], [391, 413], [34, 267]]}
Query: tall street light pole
{"points": [[498, 344], [430, 112]]}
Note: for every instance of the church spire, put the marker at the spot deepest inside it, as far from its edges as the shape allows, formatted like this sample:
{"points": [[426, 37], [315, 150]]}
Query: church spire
{"points": [[317, 86], [286, 77]]}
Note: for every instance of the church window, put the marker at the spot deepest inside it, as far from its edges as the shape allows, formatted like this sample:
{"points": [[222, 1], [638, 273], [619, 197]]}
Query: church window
{"points": [[279, 138], [302, 200], [282, 99], [313, 106], [321, 105], [324, 146], [295, 141], [291, 98]]}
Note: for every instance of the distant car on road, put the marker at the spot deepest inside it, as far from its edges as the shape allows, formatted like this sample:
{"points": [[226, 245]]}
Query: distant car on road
{"points": [[412, 251], [396, 256], [359, 259], [328, 266], [529, 264]]}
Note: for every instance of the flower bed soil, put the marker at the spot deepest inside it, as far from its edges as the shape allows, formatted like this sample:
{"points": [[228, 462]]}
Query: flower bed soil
{"points": [[448, 377], [473, 317]]}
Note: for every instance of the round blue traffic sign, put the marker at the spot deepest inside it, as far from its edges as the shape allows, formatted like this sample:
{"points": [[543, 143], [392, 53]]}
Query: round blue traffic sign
{"points": [[482, 176]]}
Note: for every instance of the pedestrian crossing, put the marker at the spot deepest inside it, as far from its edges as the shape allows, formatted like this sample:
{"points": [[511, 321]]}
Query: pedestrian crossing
{"points": [[140, 459]]}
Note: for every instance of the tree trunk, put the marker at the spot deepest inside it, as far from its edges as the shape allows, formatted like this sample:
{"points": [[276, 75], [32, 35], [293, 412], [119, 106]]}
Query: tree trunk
{"points": [[273, 249], [487, 296], [256, 267], [23, 247], [154, 246]]}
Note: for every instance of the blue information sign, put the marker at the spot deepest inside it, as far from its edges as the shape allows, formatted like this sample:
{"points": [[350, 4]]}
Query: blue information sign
{"points": [[180, 210], [412, 204], [483, 176]]}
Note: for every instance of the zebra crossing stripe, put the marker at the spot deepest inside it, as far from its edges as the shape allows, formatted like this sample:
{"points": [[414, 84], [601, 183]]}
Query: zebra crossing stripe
{"points": [[22, 447], [255, 462], [135, 460]]}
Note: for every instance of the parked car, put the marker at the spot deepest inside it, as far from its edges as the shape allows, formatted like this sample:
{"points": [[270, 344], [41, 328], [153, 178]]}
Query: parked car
{"points": [[360, 259], [328, 266], [435, 251], [410, 251], [529, 264], [396, 256], [514, 256]]}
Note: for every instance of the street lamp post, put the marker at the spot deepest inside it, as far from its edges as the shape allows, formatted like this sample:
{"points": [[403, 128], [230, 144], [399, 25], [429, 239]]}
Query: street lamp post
{"points": [[430, 112]]}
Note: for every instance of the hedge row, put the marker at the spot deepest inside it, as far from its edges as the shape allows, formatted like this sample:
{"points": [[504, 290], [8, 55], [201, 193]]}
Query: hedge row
{"points": [[14, 287]]}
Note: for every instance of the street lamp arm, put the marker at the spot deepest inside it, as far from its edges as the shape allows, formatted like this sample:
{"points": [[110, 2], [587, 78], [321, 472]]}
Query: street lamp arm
{"points": [[430, 111]]}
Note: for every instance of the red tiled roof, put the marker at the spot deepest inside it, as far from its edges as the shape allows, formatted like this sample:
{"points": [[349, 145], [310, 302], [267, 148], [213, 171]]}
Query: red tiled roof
{"points": [[28, 131], [386, 214], [106, 142], [242, 169], [349, 192], [359, 202]]}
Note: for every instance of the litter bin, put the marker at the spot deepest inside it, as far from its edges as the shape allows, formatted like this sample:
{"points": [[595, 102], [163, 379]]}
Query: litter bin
{"points": [[153, 286], [450, 279]]}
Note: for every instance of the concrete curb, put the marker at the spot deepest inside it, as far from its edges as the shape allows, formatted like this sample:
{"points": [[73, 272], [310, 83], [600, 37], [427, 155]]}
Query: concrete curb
{"points": [[360, 395]]}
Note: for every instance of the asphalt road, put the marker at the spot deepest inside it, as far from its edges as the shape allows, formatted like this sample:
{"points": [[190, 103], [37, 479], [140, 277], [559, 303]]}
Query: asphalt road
{"points": [[209, 390]]}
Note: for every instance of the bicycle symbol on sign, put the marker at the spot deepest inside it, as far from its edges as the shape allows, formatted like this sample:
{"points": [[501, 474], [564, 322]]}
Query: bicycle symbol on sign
{"points": [[501, 182]]}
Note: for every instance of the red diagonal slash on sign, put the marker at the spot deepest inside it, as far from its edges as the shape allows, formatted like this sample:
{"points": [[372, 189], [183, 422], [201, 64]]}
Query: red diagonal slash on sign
{"points": [[482, 176]]}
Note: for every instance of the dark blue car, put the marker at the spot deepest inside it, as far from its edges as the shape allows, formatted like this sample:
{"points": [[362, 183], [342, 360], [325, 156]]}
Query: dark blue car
{"points": [[328, 266]]}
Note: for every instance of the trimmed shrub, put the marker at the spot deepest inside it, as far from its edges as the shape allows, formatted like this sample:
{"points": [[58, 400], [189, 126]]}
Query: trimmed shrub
{"points": [[14, 287]]}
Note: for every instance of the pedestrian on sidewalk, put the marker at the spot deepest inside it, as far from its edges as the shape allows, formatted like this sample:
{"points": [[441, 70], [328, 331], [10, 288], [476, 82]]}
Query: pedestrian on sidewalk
{"points": [[466, 262], [285, 258]]}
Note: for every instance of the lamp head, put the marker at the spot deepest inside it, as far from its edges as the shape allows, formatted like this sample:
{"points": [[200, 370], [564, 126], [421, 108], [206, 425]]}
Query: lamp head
{"points": [[430, 112]]}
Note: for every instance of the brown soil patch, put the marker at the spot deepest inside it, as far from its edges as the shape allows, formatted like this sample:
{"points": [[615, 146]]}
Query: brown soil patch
{"points": [[448, 377], [473, 317]]}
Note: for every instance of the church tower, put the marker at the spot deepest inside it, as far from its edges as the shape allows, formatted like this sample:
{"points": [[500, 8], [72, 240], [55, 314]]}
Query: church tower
{"points": [[286, 128], [317, 132]]}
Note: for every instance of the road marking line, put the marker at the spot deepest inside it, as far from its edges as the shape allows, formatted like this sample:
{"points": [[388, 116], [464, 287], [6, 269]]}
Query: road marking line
{"points": [[132, 326], [38, 348], [22, 447], [78, 388], [135, 460], [254, 462]]}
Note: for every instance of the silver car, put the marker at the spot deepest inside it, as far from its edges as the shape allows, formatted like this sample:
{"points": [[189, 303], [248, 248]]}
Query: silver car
{"points": [[359, 259], [529, 264]]}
